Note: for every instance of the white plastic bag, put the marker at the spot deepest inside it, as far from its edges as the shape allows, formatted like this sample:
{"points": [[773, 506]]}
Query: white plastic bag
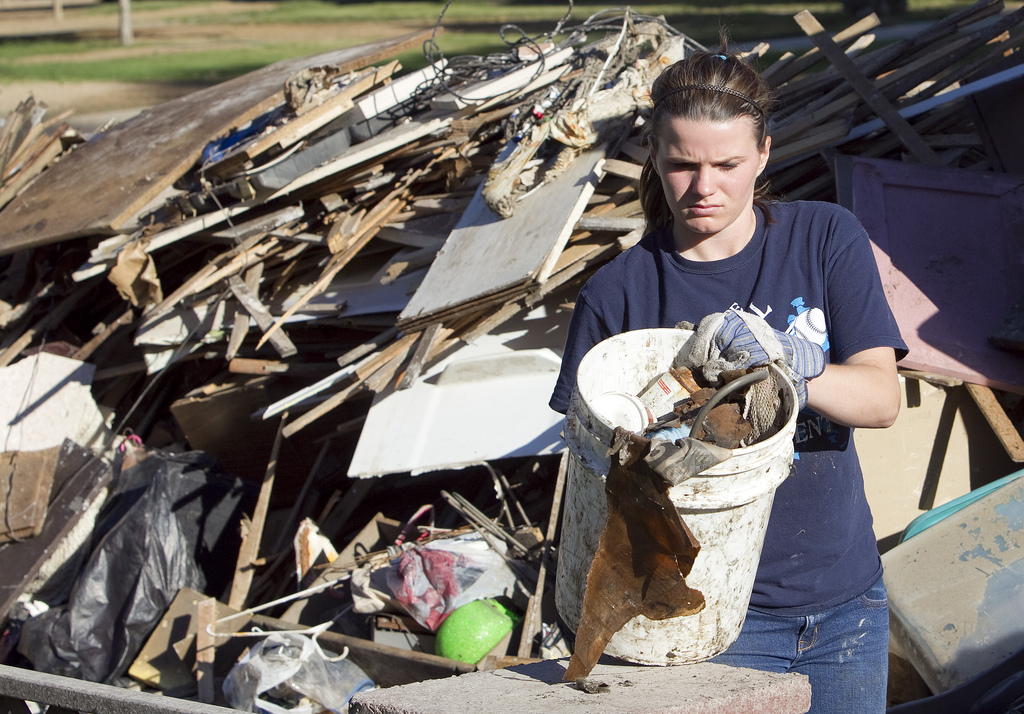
{"points": [[288, 667]]}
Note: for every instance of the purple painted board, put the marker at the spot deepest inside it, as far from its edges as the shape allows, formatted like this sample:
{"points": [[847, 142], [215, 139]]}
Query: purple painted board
{"points": [[950, 248]]}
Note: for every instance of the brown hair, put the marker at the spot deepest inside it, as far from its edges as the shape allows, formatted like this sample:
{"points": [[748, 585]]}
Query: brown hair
{"points": [[708, 86]]}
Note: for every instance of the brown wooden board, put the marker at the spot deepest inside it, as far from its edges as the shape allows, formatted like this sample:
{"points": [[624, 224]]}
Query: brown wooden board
{"points": [[97, 188], [168, 659], [79, 477], [24, 497]]}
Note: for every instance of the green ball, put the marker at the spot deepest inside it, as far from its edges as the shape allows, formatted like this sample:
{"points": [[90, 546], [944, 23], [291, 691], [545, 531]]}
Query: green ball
{"points": [[473, 630]]}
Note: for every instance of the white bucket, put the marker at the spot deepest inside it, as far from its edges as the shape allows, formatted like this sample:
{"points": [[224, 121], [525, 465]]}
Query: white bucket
{"points": [[726, 507]]}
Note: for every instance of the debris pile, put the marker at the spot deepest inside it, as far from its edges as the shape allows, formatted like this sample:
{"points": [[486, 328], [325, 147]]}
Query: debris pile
{"points": [[332, 276]]}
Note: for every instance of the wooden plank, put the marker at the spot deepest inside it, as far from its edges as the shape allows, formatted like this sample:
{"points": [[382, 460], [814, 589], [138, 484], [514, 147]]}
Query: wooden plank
{"points": [[239, 256], [240, 326], [357, 491], [168, 658], [206, 649], [251, 302], [823, 134], [996, 417], [27, 477], [377, 342], [863, 86], [250, 548], [787, 70], [262, 225], [16, 127], [368, 228], [50, 320], [105, 254], [46, 154], [625, 169], [423, 348], [892, 84], [387, 141], [514, 81], [51, 127], [615, 224], [532, 619], [84, 352], [485, 254], [364, 370], [98, 187]]}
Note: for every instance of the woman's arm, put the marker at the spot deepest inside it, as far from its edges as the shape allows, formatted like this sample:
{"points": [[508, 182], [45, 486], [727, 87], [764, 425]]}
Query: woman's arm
{"points": [[863, 391]]}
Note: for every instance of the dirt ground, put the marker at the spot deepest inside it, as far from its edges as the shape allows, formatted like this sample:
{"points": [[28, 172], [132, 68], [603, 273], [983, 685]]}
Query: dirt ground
{"points": [[94, 103]]}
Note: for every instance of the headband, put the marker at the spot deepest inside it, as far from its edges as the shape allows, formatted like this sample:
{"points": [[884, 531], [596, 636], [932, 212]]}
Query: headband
{"points": [[714, 88]]}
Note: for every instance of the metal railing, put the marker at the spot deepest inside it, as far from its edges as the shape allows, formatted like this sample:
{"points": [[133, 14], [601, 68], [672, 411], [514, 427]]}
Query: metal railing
{"points": [[18, 686]]}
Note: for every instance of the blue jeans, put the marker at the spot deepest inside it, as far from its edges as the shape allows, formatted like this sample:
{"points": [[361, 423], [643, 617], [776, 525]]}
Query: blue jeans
{"points": [[844, 651]]}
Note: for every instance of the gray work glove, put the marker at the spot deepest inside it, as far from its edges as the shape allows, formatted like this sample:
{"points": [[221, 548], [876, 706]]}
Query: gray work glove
{"points": [[739, 340]]}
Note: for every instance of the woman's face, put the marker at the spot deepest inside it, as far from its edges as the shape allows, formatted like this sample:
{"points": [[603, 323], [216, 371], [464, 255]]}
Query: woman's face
{"points": [[708, 171]]}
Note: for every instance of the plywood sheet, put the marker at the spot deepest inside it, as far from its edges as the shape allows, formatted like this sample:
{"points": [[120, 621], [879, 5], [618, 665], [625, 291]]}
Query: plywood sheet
{"points": [[485, 254], [950, 249], [102, 184]]}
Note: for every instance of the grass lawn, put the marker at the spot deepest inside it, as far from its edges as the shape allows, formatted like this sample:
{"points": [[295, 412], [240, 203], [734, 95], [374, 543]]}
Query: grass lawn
{"points": [[184, 41]]}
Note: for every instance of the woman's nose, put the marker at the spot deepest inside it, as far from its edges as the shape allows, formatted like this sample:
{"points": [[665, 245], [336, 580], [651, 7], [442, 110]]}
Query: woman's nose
{"points": [[703, 182]]}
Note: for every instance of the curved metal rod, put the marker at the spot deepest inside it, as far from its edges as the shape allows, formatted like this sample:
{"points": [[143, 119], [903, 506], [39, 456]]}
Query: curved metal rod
{"points": [[738, 383]]}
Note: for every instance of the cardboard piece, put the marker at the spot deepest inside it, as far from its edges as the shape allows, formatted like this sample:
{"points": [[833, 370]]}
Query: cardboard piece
{"points": [[939, 449]]}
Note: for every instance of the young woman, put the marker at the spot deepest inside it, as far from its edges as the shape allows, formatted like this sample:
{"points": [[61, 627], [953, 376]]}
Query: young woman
{"points": [[713, 242]]}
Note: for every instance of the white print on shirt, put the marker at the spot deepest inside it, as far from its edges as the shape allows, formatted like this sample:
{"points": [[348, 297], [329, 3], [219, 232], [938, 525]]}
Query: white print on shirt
{"points": [[808, 323], [760, 314], [818, 426]]}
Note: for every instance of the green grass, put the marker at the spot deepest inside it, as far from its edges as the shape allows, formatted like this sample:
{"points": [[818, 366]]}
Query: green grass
{"points": [[470, 27]]}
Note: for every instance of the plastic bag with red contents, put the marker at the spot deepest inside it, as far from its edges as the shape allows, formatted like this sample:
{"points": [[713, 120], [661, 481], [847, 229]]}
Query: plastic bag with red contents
{"points": [[432, 581]]}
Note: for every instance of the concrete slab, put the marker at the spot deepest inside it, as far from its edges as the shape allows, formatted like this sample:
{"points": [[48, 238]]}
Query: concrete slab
{"points": [[538, 688]]}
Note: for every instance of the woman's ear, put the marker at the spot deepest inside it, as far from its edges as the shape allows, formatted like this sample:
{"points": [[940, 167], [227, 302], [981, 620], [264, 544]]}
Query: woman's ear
{"points": [[765, 152]]}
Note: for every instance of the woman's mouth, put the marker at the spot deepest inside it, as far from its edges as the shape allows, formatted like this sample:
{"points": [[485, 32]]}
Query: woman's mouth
{"points": [[703, 210]]}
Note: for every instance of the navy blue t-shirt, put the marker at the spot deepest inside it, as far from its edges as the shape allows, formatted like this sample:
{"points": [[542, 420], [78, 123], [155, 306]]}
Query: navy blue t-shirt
{"points": [[819, 550]]}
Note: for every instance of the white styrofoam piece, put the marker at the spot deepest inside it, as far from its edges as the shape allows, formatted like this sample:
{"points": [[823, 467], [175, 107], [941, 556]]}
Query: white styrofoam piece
{"points": [[47, 399]]}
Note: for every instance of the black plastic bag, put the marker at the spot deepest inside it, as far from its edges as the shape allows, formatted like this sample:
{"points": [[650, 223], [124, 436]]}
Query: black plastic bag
{"points": [[170, 514]]}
